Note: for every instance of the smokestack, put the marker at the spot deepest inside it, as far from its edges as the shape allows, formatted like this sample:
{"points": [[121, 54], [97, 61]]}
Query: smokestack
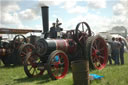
{"points": [[45, 20]]}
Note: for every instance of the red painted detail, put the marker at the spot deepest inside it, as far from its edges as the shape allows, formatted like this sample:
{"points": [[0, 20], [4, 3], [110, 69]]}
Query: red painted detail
{"points": [[65, 46], [61, 45], [63, 59]]}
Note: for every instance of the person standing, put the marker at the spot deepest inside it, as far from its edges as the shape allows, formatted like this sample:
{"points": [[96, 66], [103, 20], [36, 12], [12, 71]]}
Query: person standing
{"points": [[121, 51], [109, 51], [53, 33], [115, 45]]}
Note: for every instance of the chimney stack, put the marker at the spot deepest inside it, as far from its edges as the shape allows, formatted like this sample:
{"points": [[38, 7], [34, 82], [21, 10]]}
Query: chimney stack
{"points": [[45, 20]]}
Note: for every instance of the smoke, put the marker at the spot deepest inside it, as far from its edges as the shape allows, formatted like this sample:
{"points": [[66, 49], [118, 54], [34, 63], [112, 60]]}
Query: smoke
{"points": [[45, 3]]}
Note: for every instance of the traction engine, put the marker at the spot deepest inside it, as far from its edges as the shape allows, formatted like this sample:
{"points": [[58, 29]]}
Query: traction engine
{"points": [[9, 51], [56, 50]]}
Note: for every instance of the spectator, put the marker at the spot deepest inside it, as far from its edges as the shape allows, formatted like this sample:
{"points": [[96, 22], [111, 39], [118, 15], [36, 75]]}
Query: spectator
{"points": [[109, 52], [121, 51], [115, 45]]}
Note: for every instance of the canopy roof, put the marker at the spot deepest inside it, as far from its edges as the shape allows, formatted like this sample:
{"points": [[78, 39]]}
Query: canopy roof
{"points": [[16, 31]]}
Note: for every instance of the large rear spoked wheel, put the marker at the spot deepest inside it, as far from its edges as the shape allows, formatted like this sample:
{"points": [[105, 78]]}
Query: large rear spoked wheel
{"points": [[32, 65], [57, 65], [96, 50]]}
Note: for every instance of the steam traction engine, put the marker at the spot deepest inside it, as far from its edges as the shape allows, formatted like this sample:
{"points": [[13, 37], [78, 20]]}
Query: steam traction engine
{"points": [[56, 50], [9, 50]]}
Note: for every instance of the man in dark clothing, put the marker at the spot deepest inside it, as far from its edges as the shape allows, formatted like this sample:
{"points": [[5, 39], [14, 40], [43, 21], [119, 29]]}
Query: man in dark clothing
{"points": [[121, 51], [53, 33], [115, 45], [55, 30]]}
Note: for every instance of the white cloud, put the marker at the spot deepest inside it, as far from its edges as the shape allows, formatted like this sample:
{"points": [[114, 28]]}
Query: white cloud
{"points": [[69, 4], [119, 9], [78, 9], [9, 5], [28, 14], [9, 16], [96, 3]]}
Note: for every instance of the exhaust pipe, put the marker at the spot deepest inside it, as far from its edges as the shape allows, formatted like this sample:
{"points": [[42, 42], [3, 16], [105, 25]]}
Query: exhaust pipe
{"points": [[45, 20]]}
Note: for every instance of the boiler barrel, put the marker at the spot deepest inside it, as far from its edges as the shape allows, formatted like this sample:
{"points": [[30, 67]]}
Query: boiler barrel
{"points": [[49, 45], [57, 45]]}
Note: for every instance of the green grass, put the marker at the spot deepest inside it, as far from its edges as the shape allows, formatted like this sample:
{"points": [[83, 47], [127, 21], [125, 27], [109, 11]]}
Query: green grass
{"points": [[113, 75]]}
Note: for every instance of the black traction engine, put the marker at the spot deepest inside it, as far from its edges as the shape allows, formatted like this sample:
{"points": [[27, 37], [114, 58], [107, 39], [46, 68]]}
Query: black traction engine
{"points": [[57, 49]]}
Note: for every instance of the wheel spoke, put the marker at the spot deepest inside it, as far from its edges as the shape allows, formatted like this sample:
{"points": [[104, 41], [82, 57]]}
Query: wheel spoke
{"points": [[23, 53], [101, 57], [93, 48], [101, 49], [83, 27], [95, 45], [30, 68], [33, 71], [86, 30], [80, 38], [94, 58], [98, 63], [27, 49], [36, 71]]}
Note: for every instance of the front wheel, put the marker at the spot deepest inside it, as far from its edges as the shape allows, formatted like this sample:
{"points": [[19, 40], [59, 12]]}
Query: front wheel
{"points": [[57, 65]]}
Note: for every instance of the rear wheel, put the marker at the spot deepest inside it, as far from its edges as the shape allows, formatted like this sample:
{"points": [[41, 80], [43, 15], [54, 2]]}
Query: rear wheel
{"points": [[32, 65], [96, 50], [57, 65]]}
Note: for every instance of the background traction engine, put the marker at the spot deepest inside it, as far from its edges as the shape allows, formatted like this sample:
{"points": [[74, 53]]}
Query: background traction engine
{"points": [[54, 54], [9, 51]]}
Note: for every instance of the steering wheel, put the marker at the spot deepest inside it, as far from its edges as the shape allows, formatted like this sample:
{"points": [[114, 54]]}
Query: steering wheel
{"points": [[18, 40], [82, 32]]}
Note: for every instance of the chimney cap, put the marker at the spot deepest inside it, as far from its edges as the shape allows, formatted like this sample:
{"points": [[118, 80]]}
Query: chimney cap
{"points": [[44, 6]]}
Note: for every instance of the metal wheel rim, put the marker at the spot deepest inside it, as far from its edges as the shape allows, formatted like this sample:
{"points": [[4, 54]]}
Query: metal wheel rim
{"points": [[99, 53], [56, 64]]}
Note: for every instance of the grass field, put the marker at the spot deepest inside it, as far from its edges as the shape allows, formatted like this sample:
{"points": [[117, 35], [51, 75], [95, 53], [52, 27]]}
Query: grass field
{"points": [[113, 75]]}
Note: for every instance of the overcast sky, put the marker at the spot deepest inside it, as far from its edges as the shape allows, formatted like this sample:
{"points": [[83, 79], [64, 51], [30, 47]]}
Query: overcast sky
{"points": [[101, 15]]}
